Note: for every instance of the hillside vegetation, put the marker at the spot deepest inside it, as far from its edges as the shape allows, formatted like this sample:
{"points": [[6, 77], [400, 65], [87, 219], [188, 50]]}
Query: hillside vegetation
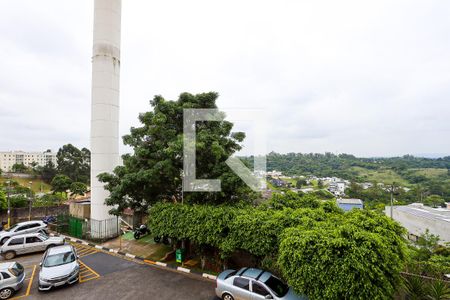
{"points": [[425, 176]]}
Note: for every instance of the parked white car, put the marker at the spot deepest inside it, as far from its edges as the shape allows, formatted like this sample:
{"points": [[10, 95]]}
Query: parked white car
{"points": [[59, 266], [28, 243], [22, 228]]}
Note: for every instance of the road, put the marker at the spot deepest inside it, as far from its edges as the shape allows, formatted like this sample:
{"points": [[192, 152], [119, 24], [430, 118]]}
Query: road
{"points": [[107, 276]]}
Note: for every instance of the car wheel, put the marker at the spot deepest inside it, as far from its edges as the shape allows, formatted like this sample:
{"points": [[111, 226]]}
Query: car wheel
{"points": [[10, 255], [227, 297], [4, 240], [50, 246], [6, 293]]}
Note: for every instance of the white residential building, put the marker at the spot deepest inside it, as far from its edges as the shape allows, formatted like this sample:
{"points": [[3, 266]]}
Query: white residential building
{"points": [[9, 159], [274, 173], [337, 188]]}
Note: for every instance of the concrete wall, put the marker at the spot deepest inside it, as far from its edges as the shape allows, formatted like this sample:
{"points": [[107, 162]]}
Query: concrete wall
{"points": [[417, 225], [37, 213], [80, 210]]}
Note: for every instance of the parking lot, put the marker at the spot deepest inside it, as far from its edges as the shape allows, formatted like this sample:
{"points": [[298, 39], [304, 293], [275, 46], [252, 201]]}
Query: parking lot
{"points": [[106, 275]]}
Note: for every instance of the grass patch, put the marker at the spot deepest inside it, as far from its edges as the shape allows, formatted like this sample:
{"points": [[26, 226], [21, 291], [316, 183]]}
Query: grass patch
{"points": [[129, 236], [430, 172], [159, 253], [385, 176], [38, 185]]}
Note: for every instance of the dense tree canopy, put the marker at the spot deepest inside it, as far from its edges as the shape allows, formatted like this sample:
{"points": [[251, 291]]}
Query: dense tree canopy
{"points": [[78, 188], [358, 258], [153, 172], [74, 163], [61, 183], [47, 172], [19, 168], [3, 204], [321, 251]]}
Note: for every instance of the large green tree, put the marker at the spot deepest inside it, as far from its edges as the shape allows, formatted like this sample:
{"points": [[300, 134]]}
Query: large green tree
{"points": [[74, 163], [19, 168], [78, 188], [61, 183], [153, 172], [47, 172]]}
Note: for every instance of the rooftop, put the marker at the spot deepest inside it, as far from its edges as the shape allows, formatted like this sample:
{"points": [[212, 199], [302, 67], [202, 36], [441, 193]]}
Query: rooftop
{"points": [[349, 201], [420, 210]]}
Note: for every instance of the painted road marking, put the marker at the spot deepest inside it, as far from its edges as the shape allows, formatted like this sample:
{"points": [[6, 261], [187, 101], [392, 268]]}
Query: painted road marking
{"points": [[83, 250], [86, 273], [27, 293]]}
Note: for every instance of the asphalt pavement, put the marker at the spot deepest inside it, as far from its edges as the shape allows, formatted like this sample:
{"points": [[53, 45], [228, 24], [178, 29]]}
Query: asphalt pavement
{"points": [[108, 276]]}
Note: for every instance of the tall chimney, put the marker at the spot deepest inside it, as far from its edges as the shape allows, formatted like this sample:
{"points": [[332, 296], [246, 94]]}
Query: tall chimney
{"points": [[105, 107]]}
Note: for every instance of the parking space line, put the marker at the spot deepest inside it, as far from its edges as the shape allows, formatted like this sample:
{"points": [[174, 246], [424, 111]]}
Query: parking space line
{"points": [[27, 293], [83, 250], [90, 274]]}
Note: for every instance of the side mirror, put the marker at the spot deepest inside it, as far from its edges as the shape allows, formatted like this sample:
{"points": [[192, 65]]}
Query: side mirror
{"points": [[268, 297]]}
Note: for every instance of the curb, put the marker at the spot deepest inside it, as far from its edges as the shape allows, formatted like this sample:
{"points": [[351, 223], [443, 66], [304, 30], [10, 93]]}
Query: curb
{"points": [[129, 255]]}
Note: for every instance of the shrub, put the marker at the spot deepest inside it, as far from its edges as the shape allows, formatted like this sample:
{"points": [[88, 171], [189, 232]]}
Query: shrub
{"points": [[359, 258]]}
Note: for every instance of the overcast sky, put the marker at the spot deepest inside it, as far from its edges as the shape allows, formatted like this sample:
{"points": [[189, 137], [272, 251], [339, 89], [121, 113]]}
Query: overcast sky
{"points": [[370, 78]]}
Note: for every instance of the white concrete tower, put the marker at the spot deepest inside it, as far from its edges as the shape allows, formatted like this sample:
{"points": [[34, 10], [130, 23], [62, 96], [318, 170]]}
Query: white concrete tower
{"points": [[105, 107]]}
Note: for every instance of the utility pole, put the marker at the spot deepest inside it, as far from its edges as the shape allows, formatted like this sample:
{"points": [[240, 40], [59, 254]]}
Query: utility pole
{"points": [[392, 200], [9, 203], [30, 200]]}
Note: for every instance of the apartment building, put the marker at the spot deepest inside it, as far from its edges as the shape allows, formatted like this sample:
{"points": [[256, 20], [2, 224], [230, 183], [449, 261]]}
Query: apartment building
{"points": [[9, 159]]}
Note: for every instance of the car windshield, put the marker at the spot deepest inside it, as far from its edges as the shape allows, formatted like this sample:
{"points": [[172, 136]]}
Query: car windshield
{"points": [[43, 237], [16, 269], [277, 286], [59, 259]]}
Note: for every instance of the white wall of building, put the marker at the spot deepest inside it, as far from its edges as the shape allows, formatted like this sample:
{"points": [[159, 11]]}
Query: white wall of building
{"points": [[417, 219]]}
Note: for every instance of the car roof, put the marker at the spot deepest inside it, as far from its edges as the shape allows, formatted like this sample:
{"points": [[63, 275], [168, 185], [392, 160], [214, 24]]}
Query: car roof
{"points": [[28, 234], [254, 273], [60, 249], [29, 222]]}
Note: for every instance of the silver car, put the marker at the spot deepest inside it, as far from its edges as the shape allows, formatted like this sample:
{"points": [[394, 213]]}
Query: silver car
{"points": [[59, 266], [22, 228], [28, 243], [12, 276], [252, 284]]}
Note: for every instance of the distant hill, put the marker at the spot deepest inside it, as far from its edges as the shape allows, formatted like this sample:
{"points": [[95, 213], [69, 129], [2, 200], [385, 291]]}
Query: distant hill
{"points": [[406, 169], [423, 176]]}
